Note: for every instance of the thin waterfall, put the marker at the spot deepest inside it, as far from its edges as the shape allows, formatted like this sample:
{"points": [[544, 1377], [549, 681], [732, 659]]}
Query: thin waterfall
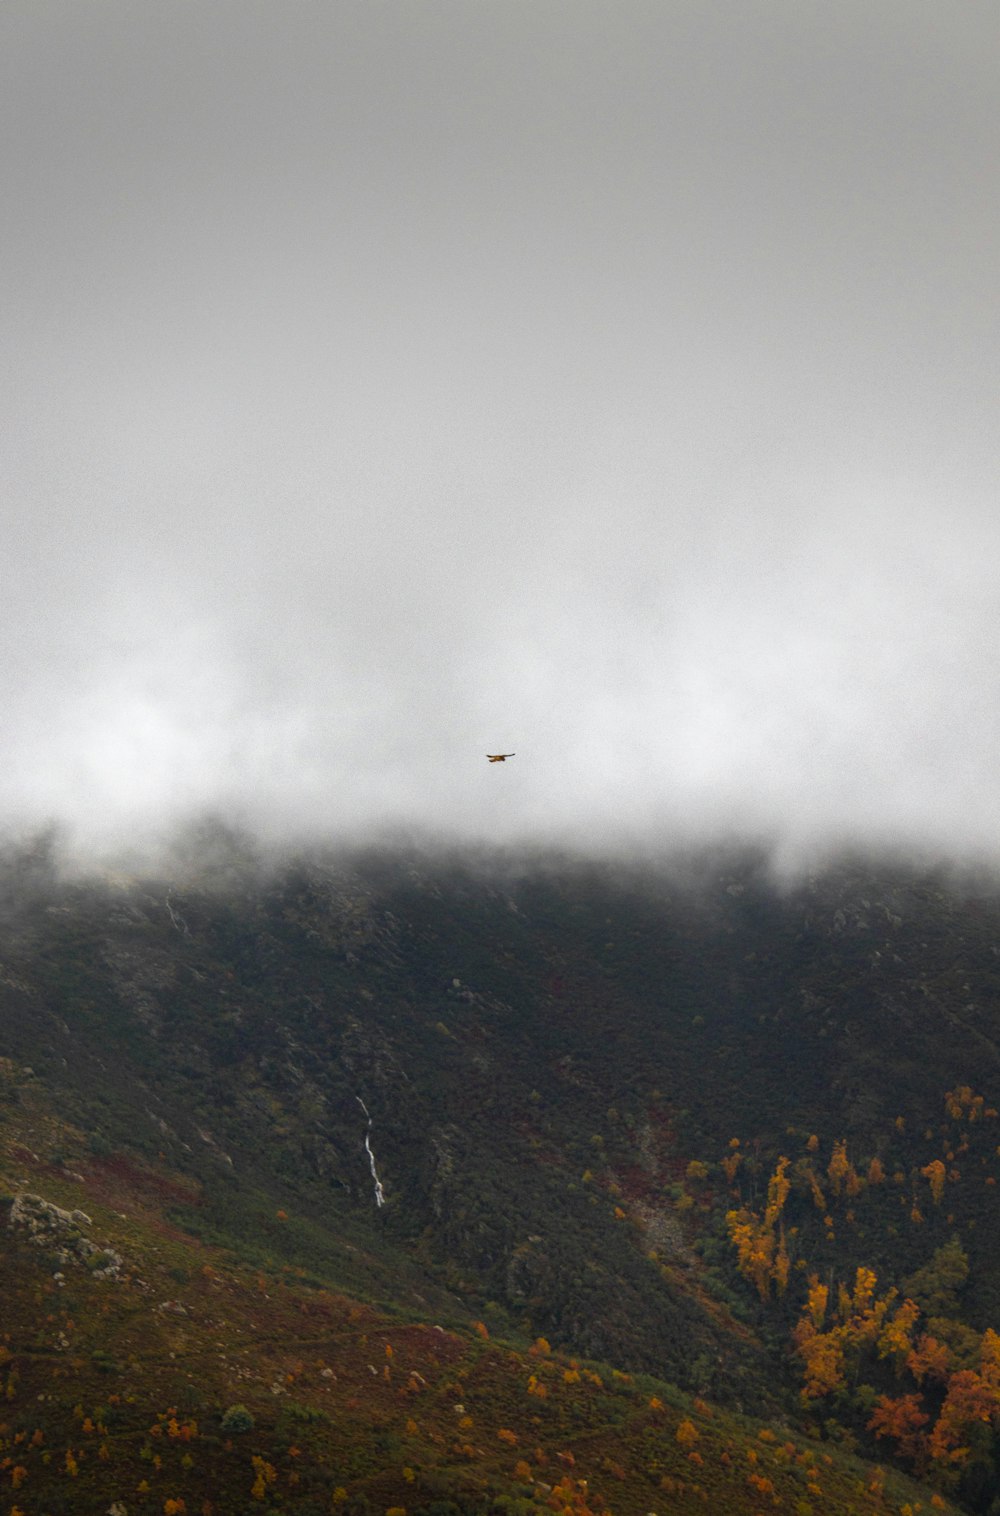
{"points": [[379, 1193]]}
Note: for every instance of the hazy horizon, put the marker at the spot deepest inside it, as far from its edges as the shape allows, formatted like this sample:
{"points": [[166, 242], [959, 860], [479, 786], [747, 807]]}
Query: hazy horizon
{"points": [[614, 384]]}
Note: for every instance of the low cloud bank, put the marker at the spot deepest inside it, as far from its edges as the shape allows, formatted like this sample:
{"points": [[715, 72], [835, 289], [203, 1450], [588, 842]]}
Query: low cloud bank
{"points": [[840, 692]]}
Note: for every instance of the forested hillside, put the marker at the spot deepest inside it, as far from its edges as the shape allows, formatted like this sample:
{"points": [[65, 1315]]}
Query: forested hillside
{"points": [[411, 1180]]}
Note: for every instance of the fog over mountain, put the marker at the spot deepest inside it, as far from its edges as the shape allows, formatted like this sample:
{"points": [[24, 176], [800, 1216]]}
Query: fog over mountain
{"points": [[614, 383]]}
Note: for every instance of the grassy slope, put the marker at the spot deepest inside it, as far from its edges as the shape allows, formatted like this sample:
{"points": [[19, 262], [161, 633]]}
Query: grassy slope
{"points": [[116, 1390]]}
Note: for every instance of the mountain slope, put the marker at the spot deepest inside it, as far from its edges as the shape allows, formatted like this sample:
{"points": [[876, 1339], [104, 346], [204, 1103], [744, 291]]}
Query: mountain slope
{"points": [[545, 1068]]}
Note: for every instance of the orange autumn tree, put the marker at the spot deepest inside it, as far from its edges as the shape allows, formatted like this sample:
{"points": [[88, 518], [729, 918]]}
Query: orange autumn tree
{"points": [[970, 1406], [732, 1161], [903, 1419], [961, 1102], [876, 1173], [929, 1359], [935, 1173], [966, 1400], [972, 1398]]}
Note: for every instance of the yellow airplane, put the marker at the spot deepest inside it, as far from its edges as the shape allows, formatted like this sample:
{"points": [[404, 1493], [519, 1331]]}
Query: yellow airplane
{"points": [[500, 757]]}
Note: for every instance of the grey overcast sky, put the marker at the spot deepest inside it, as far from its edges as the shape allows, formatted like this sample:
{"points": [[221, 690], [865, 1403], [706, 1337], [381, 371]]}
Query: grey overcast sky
{"points": [[389, 382]]}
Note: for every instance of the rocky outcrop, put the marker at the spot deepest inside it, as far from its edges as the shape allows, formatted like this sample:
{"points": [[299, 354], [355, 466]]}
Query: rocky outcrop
{"points": [[60, 1231]]}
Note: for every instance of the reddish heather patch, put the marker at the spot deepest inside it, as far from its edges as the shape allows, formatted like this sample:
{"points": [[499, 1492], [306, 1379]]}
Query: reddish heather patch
{"points": [[173, 1233], [117, 1177], [427, 1343], [662, 1124], [671, 1164], [722, 1314], [636, 1184]]}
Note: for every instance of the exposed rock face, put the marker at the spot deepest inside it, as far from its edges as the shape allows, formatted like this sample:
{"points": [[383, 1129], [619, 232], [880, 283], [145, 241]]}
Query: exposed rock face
{"points": [[50, 1226]]}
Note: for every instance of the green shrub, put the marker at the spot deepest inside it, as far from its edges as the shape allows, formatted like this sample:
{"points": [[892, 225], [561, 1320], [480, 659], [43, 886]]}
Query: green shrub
{"points": [[307, 1414], [238, 1419]]}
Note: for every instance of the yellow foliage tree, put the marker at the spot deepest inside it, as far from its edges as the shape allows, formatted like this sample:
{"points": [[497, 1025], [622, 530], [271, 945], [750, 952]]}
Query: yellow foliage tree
{"points": [[687, 1433], [777, 1193], [266, 1474], [818, 1296], [755, 1245], [823, 1357], [840, 1167], [760, 1247], [863, 1321], [730, 1164], [896, 1337]]}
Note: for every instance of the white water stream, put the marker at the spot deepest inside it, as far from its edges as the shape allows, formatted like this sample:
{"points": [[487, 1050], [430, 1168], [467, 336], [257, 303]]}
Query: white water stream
{"points": [[379, 1194]]}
